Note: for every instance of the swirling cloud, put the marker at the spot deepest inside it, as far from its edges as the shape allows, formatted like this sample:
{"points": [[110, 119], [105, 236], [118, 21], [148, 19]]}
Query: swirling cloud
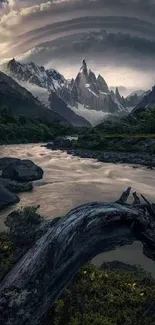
{"points": [[25, 24]]}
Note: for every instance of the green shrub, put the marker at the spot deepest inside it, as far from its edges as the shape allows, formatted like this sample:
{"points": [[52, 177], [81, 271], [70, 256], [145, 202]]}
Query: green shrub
{"points": [[106, 297]]}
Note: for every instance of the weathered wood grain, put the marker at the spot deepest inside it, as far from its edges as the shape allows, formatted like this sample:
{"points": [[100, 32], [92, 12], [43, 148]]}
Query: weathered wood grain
{"points": [[37, 280]]}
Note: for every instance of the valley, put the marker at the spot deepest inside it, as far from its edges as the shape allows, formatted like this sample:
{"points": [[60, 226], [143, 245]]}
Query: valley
{"points": [[65, 143]]}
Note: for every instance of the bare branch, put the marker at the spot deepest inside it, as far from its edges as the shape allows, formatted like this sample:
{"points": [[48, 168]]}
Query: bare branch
{"points": [[124, 196], [136, 199], [149, 207]]}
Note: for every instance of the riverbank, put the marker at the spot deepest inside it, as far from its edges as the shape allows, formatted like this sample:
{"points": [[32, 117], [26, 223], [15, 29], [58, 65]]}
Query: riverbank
{"points": [[114, 157]]}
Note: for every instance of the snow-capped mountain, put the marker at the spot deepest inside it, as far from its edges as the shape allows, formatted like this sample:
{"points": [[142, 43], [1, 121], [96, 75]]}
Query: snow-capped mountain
{"points": [[36, 75], [83, 97], [93, 92], [49, 86]]}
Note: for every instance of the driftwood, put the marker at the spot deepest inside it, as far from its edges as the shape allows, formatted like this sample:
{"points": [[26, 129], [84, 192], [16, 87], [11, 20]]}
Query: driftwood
{"points": [[31, 287]]}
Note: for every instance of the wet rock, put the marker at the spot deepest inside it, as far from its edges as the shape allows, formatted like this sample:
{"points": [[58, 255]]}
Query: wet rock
{"points": [[60, 143], [20, 170], [116, 157], [7, 198], [14, 186], [5, 162]]}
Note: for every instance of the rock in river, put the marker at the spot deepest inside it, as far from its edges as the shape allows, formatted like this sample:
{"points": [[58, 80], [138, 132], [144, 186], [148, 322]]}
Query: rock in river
{"points": [[20, 170], [14, 186], [7, 198]]}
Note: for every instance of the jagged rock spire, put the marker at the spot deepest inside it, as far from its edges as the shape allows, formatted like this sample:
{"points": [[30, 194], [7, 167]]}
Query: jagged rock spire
{"points": [[84, 66]]}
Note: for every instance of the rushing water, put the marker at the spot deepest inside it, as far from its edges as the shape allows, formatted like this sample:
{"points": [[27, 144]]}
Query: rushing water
{"points": [[70, 181]]}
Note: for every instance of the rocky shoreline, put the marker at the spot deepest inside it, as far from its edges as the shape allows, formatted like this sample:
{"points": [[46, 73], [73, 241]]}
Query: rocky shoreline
{"points": [[113, 157], [16, 176], [143, 159]]}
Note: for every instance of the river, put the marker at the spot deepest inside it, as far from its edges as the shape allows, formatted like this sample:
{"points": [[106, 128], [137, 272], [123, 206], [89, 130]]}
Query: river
{"points": [[70, 181]]}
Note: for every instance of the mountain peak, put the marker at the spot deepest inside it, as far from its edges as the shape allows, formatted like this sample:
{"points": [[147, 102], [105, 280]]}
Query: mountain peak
{"points": [[153, 88], [84, 67], [87, 89], [117, 91], [118, 94], [102, 84], [93, 92], [12, 62]]}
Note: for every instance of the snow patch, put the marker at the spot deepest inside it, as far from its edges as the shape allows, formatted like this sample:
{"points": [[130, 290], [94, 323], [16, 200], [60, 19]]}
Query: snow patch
{"points": [[92, 116], [120, 107], [93, 92], [130, 108], [41, 94]]}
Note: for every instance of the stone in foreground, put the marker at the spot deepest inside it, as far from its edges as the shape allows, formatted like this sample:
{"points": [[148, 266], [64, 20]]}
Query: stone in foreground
{"points": [[14, 186], [21, 170], [7, 198]]}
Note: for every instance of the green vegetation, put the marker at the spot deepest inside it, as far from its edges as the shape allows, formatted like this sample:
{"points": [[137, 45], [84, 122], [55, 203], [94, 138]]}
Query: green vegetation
{"points": [[131, 125], [122, 296], [106, 297], [21, 234], [106, 136], [21, 129], [124, 135]]}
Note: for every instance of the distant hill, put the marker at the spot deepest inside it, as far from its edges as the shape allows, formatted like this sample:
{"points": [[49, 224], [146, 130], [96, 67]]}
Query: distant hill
{"points": [[135, 98], [147, 102]]}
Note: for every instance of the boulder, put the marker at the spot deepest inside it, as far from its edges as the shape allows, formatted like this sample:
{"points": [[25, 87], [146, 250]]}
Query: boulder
{"points": [[20, 170], [5, 162], [59, 143], [14, 186], [7, 198]]}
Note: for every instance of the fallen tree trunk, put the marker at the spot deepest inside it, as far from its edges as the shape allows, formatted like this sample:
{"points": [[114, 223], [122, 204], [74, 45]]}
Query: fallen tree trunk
{"points": [[37, 280]]}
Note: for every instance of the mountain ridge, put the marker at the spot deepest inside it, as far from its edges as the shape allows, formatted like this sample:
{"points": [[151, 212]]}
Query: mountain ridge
{"points": [[21, 102], [85, 98], [30, 74], [147, 102]]}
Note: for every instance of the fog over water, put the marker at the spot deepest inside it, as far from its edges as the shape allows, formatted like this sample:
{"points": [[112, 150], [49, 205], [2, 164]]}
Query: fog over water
{"points": [[70, 181]]}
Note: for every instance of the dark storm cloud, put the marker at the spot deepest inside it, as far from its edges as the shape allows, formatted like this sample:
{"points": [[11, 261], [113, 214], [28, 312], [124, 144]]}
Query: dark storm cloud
{"points": [[120, 48], [103, 41], [146, 8], [25, 24], [132, 25]]}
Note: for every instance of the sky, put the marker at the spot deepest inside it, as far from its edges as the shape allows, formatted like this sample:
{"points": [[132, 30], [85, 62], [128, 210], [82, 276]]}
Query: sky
{"points": [[116, 37]]}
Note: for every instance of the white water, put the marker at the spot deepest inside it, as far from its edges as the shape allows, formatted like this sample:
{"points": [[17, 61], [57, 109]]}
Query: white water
{"points": [[70, 181]]}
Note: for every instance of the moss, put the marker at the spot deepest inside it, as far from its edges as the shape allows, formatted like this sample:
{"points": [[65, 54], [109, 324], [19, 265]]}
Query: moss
{"points": [[106, 297], [22, 233]]}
